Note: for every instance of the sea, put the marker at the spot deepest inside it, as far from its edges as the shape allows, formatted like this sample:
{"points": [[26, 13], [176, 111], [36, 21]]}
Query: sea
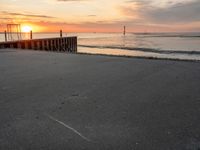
{"points": [[183, 46]]}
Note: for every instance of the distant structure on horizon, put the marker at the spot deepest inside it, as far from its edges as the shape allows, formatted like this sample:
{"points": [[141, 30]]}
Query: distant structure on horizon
{"points": [[124, 30]]}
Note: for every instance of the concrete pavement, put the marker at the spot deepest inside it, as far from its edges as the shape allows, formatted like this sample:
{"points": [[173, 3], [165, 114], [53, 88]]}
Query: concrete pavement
{"points": [[68, 101]]}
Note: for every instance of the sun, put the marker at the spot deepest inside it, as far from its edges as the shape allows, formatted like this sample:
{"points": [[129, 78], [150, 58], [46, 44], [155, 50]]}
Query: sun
{"points": [[26, 28]]}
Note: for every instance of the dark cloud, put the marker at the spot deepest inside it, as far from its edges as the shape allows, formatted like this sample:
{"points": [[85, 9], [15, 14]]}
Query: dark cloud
{"points": [[174, 13], [26, 15], [181, 12], [92, 15], [71, 0], [5, 18]]}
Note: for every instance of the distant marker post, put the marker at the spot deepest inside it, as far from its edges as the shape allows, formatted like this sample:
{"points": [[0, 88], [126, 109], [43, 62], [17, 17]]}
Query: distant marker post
{"points": [[61, 33], [31, 35], [124, 30], [5, 36]]}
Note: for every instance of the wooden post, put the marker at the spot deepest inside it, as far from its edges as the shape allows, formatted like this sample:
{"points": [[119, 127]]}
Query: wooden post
{"points": [[70, 44], [58, 44], [19, 45], [5, 36], [31, 35], [76, 44], [38, 45], [43, 45], [65, 44], [47, 45], [26, 45], [51, 45], [73, 44], [68, 48], [61, 33], [32, 45], [54, 45]]}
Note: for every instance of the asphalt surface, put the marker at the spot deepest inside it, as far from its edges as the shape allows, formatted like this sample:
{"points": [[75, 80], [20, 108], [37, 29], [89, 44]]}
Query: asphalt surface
{"points": [[57, 101]]}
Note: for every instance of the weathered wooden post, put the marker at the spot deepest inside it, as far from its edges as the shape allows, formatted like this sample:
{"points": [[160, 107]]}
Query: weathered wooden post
{"points": [[58, 44], [47, 45], [5, 36], [31, 35], [19, 45], [26, 45], [65, 42], [32, 45], [51, 45], [76, 45], [43, 45], [54, 45], [60, 47], [38, 44]]}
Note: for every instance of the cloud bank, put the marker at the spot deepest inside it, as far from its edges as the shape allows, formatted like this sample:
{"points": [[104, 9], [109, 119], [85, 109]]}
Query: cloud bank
{"points": [[184, 12]]}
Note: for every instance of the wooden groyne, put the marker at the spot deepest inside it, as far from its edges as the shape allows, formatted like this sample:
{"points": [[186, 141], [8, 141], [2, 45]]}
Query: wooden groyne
{"points": [[66, 44]]}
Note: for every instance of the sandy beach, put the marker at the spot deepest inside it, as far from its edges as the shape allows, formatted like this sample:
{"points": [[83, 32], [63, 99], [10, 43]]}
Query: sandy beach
{"points": [[62, 101]]}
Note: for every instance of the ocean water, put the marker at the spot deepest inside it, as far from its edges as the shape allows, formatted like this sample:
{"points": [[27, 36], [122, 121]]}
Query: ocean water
{"points": [[159, 45]]}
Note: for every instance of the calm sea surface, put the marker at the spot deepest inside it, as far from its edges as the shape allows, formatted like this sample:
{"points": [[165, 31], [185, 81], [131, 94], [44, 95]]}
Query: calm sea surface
{"points": [[161, 45]]}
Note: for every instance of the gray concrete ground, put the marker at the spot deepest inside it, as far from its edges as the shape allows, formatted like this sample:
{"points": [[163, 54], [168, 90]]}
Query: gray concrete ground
{"points": [[57, 101]]}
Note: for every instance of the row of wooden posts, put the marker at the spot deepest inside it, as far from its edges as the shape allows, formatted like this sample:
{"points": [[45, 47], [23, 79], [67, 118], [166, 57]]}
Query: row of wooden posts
{"points": [[68, 44], [31, 35]]}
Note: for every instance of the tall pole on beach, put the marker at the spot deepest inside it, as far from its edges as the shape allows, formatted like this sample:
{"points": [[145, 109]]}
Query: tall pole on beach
{"points": [[31, 35], [61, 33], [124, 30], [5, 35]]}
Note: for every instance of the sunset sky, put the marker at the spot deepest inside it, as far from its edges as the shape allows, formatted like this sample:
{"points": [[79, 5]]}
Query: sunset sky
{"points": [[102, 15]]}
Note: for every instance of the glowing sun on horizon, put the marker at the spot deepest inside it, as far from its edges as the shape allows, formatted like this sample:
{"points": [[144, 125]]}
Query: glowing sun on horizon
{"points": [[26, 28]]}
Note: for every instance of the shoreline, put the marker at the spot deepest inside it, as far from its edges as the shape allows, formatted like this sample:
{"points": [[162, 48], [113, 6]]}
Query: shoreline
{"points": [[111, 55], [137, 54], [141, 57]]}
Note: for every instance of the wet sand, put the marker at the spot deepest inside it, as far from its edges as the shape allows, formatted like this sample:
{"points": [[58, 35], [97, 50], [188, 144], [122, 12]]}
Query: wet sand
{"points": [[72, 101]]}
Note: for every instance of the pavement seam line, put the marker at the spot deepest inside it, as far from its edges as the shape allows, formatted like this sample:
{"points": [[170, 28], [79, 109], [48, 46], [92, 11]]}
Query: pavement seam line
{"points": [[67, 126]]}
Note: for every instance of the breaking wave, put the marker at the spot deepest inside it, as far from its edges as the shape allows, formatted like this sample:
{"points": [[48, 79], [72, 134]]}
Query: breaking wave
{"points": [[159, 51]]}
